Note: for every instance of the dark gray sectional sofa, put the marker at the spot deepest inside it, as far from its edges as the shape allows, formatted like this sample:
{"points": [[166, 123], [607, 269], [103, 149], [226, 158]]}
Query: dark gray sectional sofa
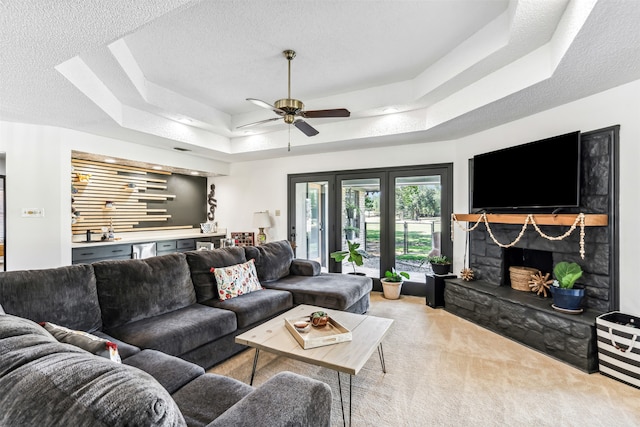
{"points": [[165, 317]]}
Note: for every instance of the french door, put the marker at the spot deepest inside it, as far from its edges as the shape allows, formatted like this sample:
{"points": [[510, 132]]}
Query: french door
{"points": [[309, 217], [398, 217]]}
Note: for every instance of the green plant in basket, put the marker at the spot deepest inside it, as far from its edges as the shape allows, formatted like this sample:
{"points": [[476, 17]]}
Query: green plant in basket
{"points": [[319, 318], [439, 259], [566, 273], [395, 276]]}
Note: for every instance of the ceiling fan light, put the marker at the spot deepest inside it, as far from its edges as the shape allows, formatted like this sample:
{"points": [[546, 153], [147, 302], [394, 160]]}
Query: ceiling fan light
{"points": [[289, 108], [289, 105]]}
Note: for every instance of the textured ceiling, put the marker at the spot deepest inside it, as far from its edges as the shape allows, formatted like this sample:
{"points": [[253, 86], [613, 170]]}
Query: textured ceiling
{"points": [[176, 73]]}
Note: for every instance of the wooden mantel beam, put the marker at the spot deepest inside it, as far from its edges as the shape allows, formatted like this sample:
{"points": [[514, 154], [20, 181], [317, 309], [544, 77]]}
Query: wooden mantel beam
{"points": [[590, 220]]}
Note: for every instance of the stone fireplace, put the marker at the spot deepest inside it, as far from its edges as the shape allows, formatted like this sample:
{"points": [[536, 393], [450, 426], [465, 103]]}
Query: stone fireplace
{"points": [[598, 194], [524, 316]]}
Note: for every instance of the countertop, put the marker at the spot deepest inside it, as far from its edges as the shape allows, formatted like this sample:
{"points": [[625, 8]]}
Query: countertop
{"points": [[124, 239]]}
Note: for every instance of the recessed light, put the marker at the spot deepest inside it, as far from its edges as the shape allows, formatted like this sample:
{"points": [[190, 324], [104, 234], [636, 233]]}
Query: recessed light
{"points": [[390, 110], [158, 168], [110, 160], [195, 173]]}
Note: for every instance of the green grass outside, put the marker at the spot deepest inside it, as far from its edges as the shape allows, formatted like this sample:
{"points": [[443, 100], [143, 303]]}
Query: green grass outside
{"points": [[418, 240]]}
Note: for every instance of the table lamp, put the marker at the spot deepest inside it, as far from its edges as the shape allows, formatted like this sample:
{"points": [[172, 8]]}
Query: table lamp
{"points": [[261, 221]]}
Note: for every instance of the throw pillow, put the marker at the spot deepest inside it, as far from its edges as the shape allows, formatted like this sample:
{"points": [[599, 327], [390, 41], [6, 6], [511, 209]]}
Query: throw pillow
{"points": [[236, 280], [84, 340], [2, 310]]}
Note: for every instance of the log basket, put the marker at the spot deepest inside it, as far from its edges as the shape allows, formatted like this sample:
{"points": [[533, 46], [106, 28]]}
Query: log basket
{"points": [[520, 277]]}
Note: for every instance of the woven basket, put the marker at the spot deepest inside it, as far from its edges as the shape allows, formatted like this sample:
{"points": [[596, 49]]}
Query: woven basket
{"points": [[520, 277]]}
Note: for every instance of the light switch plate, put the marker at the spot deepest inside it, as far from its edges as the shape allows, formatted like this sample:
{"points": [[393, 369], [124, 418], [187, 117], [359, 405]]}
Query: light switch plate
{"points": [[33, 212]]}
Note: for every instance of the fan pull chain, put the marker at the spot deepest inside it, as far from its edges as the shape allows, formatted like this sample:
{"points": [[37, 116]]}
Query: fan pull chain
{"points": [[289, 144]]}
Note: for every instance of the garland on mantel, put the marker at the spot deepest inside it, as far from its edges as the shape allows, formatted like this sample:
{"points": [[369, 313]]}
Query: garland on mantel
{"points": [[529, 219]]}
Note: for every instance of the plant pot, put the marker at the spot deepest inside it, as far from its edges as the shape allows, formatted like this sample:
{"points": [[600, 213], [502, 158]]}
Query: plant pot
{"points": [[441, 269], [567, 299], [391, 290]]}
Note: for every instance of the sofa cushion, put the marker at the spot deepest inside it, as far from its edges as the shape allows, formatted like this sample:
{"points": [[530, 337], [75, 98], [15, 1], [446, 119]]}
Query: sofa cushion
{"points": [[136, 289], [208, 396], [46, 383], [305, 267], [255, 306], [53, 295], [236, 280], [200, 263], [179, 331], [330, 290], [170, 371], [273, 259], [285, 399], [84, 340], [22, 340]]}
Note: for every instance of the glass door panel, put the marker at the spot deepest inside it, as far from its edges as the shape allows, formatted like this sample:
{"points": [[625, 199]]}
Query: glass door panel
{"points": [[360, 222], [417, 225], [311, 236]]}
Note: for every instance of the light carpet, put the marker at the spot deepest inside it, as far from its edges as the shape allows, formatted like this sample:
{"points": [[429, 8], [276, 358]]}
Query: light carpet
{"points": [[445, 371]]}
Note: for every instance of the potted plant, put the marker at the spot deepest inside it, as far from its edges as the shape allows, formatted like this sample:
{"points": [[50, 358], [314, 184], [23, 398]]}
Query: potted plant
{"points": [[392, 283], [354, 255], [350, 232], [350, 209], [567, 295], [440, 264]]}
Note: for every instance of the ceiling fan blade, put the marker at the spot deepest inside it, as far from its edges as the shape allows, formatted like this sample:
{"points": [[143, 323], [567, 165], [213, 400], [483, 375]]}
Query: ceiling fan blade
{"points": [[336, 112], [258, 123], [305, 127], [266, 105]]}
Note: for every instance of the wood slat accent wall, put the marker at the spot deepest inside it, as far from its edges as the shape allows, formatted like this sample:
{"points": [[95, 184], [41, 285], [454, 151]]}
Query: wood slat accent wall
{"points": [[109, 182]]}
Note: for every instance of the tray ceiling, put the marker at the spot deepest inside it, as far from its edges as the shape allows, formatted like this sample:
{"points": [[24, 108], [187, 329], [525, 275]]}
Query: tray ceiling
{"points": [[177, 73]]}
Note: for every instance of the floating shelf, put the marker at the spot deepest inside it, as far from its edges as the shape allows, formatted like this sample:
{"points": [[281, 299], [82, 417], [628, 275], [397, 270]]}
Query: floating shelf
{"points": [[590, 220], [127, 187]]}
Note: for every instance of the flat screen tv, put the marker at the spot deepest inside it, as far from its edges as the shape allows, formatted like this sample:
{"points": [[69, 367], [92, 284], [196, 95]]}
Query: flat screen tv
{"points": [[543, 174]]}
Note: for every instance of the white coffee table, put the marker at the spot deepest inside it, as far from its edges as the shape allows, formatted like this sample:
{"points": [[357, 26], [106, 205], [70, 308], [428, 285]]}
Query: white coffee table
{"points": [[348, 357]]}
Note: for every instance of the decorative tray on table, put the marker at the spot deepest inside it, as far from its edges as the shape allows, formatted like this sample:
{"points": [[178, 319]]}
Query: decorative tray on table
{"points": [[331, 333]]}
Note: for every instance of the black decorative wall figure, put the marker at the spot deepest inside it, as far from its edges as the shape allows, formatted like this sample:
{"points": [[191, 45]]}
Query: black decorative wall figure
{"points": [[213, 204]]}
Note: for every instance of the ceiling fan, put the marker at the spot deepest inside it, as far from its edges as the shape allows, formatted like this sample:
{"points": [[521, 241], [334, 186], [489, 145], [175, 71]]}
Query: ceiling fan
{"points": [[291, 109]]}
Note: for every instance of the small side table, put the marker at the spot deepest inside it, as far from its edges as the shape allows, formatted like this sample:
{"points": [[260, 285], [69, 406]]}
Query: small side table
{"points": [[435, 289]]}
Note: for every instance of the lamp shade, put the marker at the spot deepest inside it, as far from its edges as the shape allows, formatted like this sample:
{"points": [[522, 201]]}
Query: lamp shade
{"points": [[261, 220]]}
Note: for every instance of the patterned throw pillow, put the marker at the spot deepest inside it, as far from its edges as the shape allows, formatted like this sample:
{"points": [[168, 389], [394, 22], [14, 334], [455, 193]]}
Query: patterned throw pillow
{"points": [[84, 340], [236, 280]]}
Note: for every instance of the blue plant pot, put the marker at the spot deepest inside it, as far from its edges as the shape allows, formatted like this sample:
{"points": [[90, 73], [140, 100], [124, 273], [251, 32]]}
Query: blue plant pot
{"points": [[569, 299]]}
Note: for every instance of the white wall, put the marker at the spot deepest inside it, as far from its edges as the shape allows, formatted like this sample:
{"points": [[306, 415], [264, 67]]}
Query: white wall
{"points": [[254, 186], [38, 169], [35, 172]]}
